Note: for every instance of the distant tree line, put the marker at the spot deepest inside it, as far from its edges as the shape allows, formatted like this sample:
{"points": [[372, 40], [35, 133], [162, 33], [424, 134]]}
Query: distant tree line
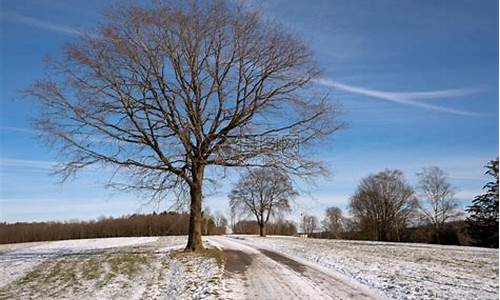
{"points": [[280, 227], [165, 223], [386, 208]]}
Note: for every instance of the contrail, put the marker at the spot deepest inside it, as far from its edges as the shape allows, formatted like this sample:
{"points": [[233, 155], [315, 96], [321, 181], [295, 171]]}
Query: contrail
{"points": [[407, 98], [38, 164], [40, 24]]}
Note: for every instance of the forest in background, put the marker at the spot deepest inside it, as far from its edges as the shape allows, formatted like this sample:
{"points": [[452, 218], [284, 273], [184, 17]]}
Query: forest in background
{"points": [[165, 223]]}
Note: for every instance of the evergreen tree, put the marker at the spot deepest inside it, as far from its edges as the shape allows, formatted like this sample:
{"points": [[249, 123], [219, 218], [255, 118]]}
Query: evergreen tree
{"points": [[483, 218]]}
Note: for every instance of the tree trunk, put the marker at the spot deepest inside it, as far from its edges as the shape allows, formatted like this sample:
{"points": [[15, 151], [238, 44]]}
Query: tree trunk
{"points": [[382, 233], [437, 238], [262, 229], [195, 218]]}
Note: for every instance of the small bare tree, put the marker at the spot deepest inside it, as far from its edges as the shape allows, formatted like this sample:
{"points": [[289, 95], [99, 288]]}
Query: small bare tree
{"points": [[159, 93], [383, 204], [333, 221], [262, 193], [309, 224], [438, 203]]}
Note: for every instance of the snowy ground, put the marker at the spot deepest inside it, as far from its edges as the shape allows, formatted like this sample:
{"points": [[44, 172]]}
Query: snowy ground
{"points": [[400, 271], [114, 268], [248, 268]]}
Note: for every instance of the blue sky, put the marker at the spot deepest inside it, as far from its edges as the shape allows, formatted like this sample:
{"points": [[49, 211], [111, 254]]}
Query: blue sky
{"points": [[417, 82]]}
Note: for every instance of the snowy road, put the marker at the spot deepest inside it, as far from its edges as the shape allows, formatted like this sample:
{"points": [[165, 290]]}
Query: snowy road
{"points": [[255, 273]]}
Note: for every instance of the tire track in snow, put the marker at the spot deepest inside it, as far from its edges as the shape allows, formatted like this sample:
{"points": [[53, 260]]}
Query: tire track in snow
{"points": [[253, 273]]}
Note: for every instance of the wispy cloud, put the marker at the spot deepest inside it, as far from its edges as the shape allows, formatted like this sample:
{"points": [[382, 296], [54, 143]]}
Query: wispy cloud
{"points": [[407, 98], [24, 163], [434, 94], [15, 17]]}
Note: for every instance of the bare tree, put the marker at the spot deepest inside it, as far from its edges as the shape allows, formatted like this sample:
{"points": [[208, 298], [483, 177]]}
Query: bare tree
{"points": [[383, 204], [333, 221], [262, 193], [234, 216], [309, 224], [220, 220], [438, 203], [159, 93]]}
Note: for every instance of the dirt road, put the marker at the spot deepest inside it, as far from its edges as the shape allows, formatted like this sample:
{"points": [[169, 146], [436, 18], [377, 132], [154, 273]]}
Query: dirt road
{"points": [[253, 273]]}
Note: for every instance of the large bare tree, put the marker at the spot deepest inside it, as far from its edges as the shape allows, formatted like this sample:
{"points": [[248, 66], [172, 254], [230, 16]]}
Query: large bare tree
{"points": [[262, 193], [383, 204], [159, 93], [438, 203]]}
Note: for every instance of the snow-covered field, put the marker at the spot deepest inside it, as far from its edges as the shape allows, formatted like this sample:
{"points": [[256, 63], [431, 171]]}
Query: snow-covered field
{"points": [[400, 271], [113, 268], [154, 268]]}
